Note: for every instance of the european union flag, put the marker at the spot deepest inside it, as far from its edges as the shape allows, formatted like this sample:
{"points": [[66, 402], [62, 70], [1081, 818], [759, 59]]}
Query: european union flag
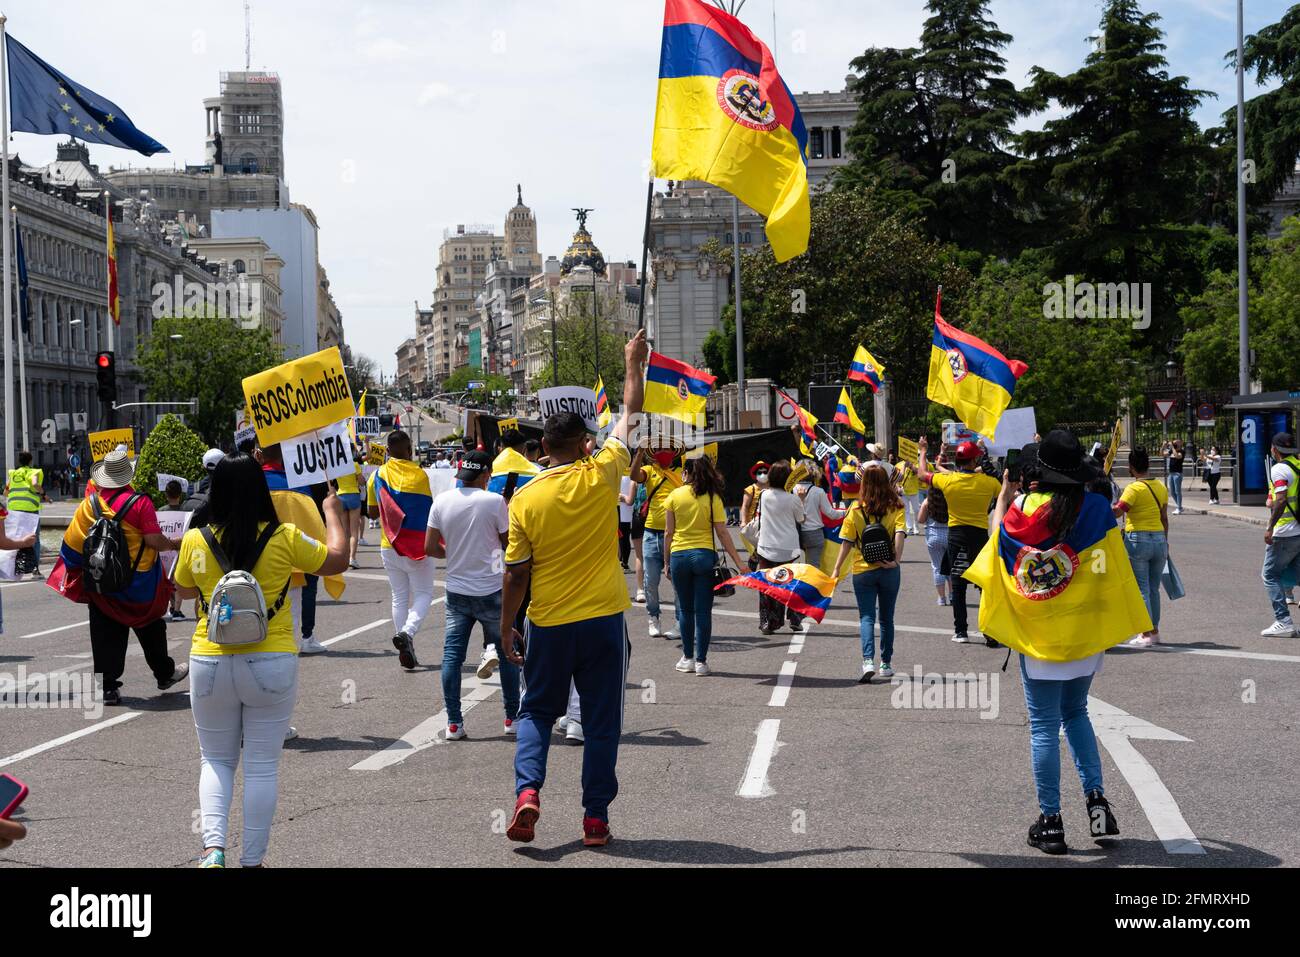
{"points": [[43, 100]]}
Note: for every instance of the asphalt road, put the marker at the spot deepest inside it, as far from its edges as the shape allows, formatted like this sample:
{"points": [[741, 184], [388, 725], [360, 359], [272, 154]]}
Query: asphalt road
{"points": [[743, 767]]}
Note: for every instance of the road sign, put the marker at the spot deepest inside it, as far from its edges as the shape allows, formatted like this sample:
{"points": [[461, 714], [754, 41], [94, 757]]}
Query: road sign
{"points": [[1205, 414], [1164, 409], [473, 386]]}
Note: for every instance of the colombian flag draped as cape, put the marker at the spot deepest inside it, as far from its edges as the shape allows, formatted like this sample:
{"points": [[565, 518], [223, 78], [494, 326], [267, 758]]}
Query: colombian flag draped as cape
{"points": [[726, 117], [297, 507], [404, 497], [1059, 601]]}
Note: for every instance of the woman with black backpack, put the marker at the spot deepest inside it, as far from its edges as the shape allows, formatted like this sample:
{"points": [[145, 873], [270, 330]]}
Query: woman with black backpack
{"points": [[244, 659], [875, 528]]}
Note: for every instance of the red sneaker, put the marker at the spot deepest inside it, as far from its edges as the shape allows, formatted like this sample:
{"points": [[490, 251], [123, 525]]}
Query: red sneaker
{"points": [[595, 832], [527, 810]]}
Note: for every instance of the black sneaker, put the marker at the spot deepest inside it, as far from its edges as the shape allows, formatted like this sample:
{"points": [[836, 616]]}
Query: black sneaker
{"points": [[178, 675], [112, 698], [1101, 822], [1048, 834], [405, 650]]}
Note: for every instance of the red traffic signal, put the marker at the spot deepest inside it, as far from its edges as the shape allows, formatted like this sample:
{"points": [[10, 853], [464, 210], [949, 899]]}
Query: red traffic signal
{"points": [[104, 360], [106, 376]]}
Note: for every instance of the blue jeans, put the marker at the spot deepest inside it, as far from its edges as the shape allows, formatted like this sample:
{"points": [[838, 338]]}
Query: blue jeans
{"points": [[462, 612], [592, 654], [1051, 706], [1148, 551], [652, 561], [869, 588], [1281, 557], [692, 574], [1176, 489]]}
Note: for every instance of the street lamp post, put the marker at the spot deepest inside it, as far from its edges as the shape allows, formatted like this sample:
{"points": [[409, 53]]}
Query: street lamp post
{"points": [[67, 354]]}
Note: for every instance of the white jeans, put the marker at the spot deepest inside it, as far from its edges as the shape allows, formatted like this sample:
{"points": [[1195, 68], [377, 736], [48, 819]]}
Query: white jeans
{"points": [[246, 698], [412, 584]]}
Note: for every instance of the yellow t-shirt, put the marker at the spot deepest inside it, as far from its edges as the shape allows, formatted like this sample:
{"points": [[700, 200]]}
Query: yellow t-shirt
{"points": [[662, 483], [857, 520], [288, 550], [969, 495], [566, 522], [349, 484], [692, 521], [1143, 513], [910, 484]]}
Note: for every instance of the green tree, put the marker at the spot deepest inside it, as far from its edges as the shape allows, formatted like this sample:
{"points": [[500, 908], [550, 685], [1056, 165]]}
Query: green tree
{"points": [[171, 449], [576, 339], [208, 361], [459, 381], [363, 374], [934, 124]]}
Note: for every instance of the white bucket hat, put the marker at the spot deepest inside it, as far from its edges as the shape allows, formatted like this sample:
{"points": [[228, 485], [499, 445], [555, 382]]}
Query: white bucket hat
{"points": [[116, 470]]}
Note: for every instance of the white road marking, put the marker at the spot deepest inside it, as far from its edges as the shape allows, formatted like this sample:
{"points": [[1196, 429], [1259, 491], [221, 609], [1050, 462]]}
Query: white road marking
{"points": [[356, 631], [41, 634], [100, 726], [844, 623], [796, 643], [781, 693], [429, 732], [754, 784], [1114, 729], [1226, 653]]}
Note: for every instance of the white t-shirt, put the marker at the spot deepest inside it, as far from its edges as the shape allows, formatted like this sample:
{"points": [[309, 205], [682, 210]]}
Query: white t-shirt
{"points": [[442, 464], [1282, 477], [1214, 463], [778, 530], [816, 504], [1064, 670], [625, 511], [472, 521]]}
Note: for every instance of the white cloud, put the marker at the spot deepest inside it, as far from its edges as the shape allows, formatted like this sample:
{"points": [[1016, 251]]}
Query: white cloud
{"points": [[433, 92], [385, 49]]}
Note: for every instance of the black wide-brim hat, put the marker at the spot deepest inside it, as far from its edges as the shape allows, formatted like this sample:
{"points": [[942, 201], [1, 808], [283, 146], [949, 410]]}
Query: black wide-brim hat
{"points": [[1061, 460]]}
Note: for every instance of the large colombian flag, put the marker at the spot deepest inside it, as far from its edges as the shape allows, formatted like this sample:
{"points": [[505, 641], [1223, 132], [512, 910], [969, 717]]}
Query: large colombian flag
{"points": [[804, 589], [674, 389], [726, 117], [970, 376], [401, 490], [1058, 600]]}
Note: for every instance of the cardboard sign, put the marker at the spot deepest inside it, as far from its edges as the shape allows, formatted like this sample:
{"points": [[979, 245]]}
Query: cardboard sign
{"points": [[368, 425], [954, 433], [101, 443], [504, 424], [908, 451], [298, 397], [174, 525], [377, 454], [318, 456], [1115, 439], [164, 478], [1015, 430], [570, 398]]}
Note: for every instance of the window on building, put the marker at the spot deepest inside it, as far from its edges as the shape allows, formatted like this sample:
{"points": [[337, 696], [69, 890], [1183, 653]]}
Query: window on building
{"points": [[747, 238], [837, 146], [248, 163], [818, 143], [240, 267]]}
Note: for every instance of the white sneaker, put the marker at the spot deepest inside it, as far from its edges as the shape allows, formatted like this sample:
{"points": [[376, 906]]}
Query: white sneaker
{"points": [[561, 724], [1279, 629], [640, 597], [1141, 641], [291, 733], [940, 601], [654, 628], [868, 671], [509, 726], [685, 665], [702, 669], [488, 663], [311, 646], [455, 732], [574, 732], [961, 639], [886, 671]]}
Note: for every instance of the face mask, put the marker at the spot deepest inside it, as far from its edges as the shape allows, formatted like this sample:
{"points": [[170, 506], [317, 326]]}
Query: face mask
{"points": [[664, 459], [761, 478], [803, 487]]}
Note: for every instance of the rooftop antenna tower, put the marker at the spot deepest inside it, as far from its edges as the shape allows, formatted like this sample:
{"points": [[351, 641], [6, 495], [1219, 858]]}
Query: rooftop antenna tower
{"points": [[248, 37]]}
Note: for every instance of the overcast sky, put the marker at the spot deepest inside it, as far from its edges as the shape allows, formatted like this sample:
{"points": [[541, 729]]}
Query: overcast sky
{"points": [[405, 117]]}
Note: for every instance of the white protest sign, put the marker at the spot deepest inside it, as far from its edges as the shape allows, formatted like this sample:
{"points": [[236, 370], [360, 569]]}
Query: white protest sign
{"points": [[174, 525], [18, 525], [440, 480], [318, 456], [164, 478], [368, 425], [570, 398], [245, 434], [1015, 430]]}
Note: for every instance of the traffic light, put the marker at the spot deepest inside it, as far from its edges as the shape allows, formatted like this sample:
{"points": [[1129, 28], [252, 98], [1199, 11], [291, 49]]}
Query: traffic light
{"points": [[106, 376]]}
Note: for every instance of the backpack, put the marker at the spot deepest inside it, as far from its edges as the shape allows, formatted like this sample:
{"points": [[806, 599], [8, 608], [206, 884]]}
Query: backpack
{"points": [[875, 542], [105, 554], [237, 612]]}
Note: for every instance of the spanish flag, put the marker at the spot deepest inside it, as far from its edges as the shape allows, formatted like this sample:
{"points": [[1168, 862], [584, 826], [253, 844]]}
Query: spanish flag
{"points": [[676, 390], [865, 368], [602, 404], [726, 117], [970, 376], [1058, 600], [845, 414], [804, 589], [114, 300]]}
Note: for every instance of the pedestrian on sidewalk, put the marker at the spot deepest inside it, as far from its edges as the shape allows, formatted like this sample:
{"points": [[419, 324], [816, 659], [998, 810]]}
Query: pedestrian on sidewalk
{"points": [[1144, 507], [694, 517], [563, 527], [1282, 537], [140, 605], [654, 469], [969, 493], [469, 528], [875, 530], [400, 497], [780, 515], [243, 694], [24, 492], [1213, 470], [1176, 457]]}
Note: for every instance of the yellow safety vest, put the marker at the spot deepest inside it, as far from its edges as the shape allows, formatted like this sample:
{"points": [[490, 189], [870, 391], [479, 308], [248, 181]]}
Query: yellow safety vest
{"points": [[22, 495], [1292, 496]]}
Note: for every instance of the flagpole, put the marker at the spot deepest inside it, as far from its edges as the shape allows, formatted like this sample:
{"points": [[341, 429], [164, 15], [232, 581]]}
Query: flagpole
{"points": [[645, 251], [108, 290], [22, 342], [6, 398], [740, 319]]}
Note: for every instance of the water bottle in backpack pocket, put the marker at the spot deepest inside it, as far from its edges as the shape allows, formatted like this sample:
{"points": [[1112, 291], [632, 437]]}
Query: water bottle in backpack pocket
{"points": [[237, 611]]}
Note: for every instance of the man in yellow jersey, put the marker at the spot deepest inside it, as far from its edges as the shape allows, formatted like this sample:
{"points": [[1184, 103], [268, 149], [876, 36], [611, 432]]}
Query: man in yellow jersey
{"points": [[564, 543], [969, 494], [24, 490]]}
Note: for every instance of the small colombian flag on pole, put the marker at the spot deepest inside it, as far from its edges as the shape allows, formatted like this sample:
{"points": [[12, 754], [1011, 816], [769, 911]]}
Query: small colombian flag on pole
{"points": [[602, 403], [970, 376], [114, 299], [845, 414], [674, 389], [866, 369]]}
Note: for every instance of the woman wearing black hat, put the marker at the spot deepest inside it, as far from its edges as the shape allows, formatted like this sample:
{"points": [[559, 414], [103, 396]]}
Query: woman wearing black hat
{"points": [[1056, 692]]}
